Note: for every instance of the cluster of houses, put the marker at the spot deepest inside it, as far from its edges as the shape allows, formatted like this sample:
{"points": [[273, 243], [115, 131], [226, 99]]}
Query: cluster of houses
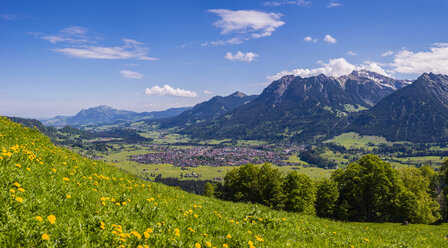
{"points": [[209, 156]]}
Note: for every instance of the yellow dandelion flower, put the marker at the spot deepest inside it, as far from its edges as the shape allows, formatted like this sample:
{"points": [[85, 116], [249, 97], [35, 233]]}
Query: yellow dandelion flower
{"points": [[225, 246], [103, 226], [136, 234], [66, 179], [38, 218], [19, 199], [18, 165], [12, 191], [208, 244], [229, 236], [250, 243], [51, 219], [53, 169], [17, 184], [366, 240], [197, 245], [45, 236], [28, 169]]}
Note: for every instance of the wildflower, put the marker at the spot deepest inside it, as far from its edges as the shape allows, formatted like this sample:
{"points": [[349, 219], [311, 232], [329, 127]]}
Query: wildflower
{"points": [[196, 216], [66, 179], [208, 244], [51, 219], [18, 165], [197, 245], [136, 234], [17, 184], [334, 232], [38, 218], [12, 191], [229, 236], [53, 169], [19, 199], [259, 239], [102, 225], [45, 236], [366, 240], [225, 246], [250, 243]]}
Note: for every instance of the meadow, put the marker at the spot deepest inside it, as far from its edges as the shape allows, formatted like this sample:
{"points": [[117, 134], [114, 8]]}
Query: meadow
{"points": [[52, 197], [120, 159]]}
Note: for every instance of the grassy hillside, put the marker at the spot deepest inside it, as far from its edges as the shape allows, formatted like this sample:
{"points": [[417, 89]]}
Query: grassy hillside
{"points": [[51, 197]]}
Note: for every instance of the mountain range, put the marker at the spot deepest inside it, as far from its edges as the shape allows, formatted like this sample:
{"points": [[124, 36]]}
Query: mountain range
{"points": [[417, 113], [107, 115], [301, 109], [208, 110]]}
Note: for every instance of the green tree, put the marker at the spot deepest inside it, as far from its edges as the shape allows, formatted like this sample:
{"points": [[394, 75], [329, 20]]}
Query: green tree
{"points": [[250, 183], [270, 186], [416, 202], [300, 193], [209, 190], [327, 195], [241, 184], [368, 190]]}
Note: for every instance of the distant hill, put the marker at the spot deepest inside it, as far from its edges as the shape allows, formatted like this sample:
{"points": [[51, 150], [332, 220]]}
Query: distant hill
{"points": [[417, 113], [300, 109], [105, 114], [209, 110]]}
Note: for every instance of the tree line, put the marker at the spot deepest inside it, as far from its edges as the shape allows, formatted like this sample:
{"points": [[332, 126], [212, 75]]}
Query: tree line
{"points": [[367, 190]]}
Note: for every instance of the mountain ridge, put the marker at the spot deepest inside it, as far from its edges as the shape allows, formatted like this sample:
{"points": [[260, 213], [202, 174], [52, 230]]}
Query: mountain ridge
{"points": [[300, 109], [104, 114]]}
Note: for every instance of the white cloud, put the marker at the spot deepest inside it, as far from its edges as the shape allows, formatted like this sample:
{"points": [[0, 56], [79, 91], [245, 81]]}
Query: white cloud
{"points": [[131, 74], [207, 92], [387, 53], [240, 56], [335, 67], [435, 60], [333, 4], [13, 17], [296, 2], [170, 91], [310, 39], [73, 34], [351, 53], [231, 41], [256, 23], [130, 49], [53, 38], [84, 45], [329, 39]]}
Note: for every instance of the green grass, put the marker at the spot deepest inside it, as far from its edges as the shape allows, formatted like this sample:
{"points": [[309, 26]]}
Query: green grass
{"points": [[95, 214], [355, 140], [121, 160]]}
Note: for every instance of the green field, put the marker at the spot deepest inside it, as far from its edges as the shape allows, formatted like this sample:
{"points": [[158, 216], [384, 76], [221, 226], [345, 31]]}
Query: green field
{"points": [[355, 140], [120, 159], [52, 197]]}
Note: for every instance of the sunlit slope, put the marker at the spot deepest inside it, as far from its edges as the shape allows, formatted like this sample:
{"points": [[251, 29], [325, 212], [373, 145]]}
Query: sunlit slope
{"points": [[52, 197]]}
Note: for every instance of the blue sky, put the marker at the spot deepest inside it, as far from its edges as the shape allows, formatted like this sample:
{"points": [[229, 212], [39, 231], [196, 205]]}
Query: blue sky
{"points": [[58, 57]]}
